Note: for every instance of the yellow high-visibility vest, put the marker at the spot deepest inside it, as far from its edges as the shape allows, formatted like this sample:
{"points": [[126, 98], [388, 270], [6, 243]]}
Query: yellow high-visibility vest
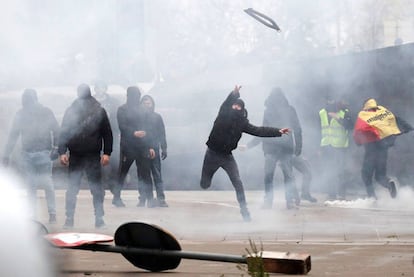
{"points": [[333, 133]]}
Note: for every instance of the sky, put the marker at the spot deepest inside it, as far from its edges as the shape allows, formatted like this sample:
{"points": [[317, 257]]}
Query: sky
{"points": [[139, 41]]}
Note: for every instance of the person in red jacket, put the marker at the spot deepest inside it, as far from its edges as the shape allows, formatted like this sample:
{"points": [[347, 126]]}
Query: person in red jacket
{"points": [[230, 124]]}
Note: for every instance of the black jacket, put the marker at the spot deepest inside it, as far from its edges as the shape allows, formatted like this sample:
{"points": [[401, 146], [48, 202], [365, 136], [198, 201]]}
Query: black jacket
{"points": [[130, 119], [229, 126], [36, 125], [155, 127], [278, 112], [85, 129]]}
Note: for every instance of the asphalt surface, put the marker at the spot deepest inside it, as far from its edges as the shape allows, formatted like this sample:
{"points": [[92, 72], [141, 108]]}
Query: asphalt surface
{"points": [[344, 238]]}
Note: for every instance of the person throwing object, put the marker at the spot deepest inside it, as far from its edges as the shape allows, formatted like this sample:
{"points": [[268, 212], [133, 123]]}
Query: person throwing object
{"points": [[230, 124]]}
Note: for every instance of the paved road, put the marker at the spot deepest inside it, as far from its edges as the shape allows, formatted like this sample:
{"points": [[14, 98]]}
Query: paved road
{"points": [[352, 238]]}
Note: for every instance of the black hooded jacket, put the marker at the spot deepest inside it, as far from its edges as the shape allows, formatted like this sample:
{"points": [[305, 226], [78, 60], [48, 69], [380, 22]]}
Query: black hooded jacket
{"points": [[130, 118], [230, 124], [85, 128], [155, 127], [278, 112], [36, 125]]}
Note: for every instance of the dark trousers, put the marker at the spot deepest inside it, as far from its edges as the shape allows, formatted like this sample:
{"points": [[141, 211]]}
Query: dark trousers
{"points": [[38, 173], [157, 177], [303, 166], [143, 165], [285, 162], [91, 165], [375, 164], [212, 162]]}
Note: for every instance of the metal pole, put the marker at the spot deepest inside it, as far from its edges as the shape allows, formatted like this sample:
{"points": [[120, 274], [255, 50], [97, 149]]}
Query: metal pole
{"points": [[159, 252]]}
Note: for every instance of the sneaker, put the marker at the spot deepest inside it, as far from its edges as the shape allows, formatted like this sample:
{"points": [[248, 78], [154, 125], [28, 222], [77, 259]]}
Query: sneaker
{"points": [[117, 202], [52, 219], [204, 185], [309, 198], [393, 189], [99, 223], [68, 223], [162, 203], [245, 214]]}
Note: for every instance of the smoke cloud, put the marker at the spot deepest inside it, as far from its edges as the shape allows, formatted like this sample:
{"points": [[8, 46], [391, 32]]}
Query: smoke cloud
{"points": [[188, 55]]}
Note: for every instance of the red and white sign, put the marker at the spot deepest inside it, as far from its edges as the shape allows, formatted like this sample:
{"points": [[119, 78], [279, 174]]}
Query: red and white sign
{"points": [[76, 239]]}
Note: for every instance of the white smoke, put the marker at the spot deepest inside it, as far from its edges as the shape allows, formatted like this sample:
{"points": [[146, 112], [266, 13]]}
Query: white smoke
{"points": [[403, 201], [22, 251]]}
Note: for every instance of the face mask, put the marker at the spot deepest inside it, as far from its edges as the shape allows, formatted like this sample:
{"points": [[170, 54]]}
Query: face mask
{"points": [[236, 113]]}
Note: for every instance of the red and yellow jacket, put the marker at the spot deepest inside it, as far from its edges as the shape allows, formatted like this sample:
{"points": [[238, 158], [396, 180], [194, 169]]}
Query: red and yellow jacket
{"points": [[375, 125]]}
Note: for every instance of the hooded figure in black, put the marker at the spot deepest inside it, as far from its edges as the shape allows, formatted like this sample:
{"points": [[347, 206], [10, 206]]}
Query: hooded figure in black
{"points": [[279, 112], [135, 146], [86, 133], [37, 128], [158, 141], [228, 127]]}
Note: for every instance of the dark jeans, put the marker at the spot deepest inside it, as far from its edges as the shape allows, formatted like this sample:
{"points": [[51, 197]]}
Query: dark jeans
{"points": [[91, 165], [375, 163], [38, 174], [212, 162], [157, 177], [303, 166], [285, 162], [143, 165]]}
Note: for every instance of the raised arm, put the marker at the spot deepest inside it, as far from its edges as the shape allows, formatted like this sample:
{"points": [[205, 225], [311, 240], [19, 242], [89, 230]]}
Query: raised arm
{"points": [[231, 98]]}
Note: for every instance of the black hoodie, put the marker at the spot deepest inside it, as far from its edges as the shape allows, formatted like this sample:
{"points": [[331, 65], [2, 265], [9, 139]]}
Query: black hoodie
{"points": [[155, 126], [85, 127], [130, 118], [230, 124], [278, 112], [35, 124]]}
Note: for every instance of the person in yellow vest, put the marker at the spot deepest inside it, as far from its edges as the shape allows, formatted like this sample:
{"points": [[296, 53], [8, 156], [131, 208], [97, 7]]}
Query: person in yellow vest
{"points": [[376, 128], [335, 122]]}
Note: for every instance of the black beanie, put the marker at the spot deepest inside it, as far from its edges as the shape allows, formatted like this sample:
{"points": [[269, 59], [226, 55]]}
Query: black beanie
{"points": [[29, 97], [84, 91], [133, 95]]}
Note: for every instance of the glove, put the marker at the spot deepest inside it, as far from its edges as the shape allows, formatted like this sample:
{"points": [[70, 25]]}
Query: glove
{"points": [[163, 155], [6, 161]]}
